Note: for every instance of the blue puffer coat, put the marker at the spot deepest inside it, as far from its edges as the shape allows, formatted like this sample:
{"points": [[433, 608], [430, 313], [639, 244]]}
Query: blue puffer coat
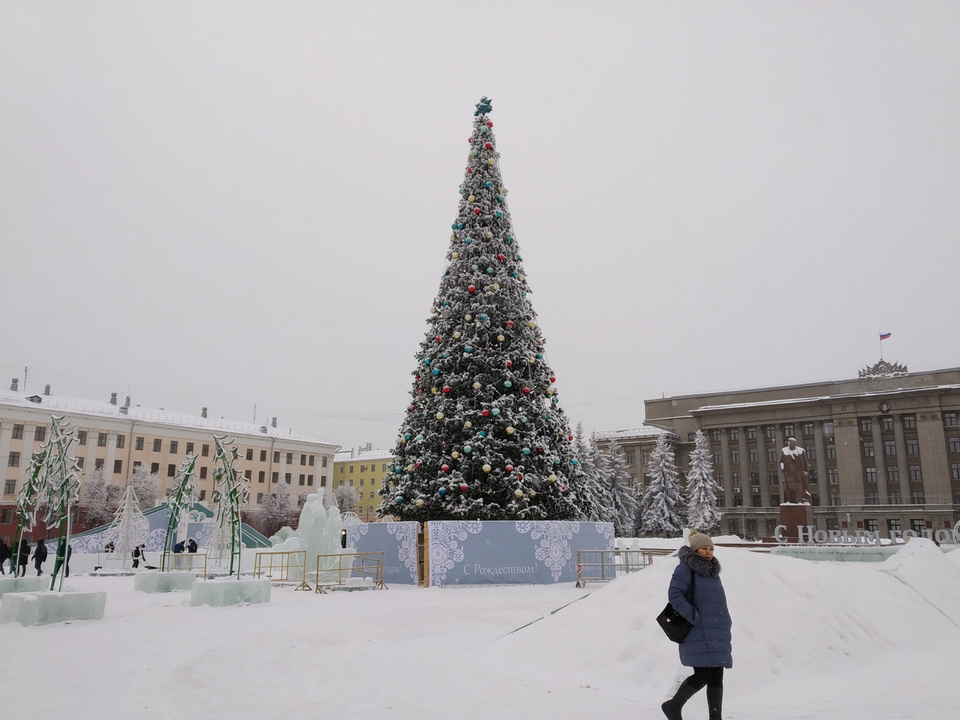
{"points": [[708, 644]]}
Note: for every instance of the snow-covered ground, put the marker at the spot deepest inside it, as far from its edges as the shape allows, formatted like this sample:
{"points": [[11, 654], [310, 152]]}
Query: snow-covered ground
{"points": [[817, 640]]}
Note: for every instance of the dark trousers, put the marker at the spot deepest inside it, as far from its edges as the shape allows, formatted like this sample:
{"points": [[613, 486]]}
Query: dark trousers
{"points": [[709, 676]]}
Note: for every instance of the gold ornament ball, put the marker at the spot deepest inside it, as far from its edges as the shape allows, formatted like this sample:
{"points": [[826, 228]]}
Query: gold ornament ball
{"points": [[419, 502], [454, 454], [487, 468], [510, 431], [500, 338], [518, 492], [468, 424], [439, 415], [456, 335], [477, 386], [553, 478]]}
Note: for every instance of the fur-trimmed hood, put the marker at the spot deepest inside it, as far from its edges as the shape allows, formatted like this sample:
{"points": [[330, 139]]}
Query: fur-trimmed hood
{"points": [[698, 564]]}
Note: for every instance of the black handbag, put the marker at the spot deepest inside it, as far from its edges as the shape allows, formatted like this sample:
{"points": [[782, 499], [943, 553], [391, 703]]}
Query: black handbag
{"points": [[675, 625]]}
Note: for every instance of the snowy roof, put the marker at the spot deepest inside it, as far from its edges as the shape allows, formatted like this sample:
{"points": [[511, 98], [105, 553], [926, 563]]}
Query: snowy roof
{"points": [[98, 409], [646, 431], [822, 398], [357, 455]]}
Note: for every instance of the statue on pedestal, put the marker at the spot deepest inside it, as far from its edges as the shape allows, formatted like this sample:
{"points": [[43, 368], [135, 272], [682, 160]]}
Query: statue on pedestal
{"points": [[796, 472]]}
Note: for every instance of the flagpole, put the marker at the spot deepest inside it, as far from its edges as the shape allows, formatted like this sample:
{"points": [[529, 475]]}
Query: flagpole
{"points": [[881, 345]]}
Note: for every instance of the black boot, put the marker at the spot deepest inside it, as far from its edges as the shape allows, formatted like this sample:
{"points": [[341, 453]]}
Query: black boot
{"points": [[715, 702], [671, 708]]}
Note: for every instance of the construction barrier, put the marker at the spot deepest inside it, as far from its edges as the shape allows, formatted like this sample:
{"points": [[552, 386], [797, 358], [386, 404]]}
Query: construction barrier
{"points": [[185, 562], [283, 567], [350, 570], [607, 565]]}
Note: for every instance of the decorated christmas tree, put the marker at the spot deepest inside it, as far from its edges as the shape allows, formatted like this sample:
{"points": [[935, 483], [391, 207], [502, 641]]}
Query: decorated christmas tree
{"points": [[484, 436]]}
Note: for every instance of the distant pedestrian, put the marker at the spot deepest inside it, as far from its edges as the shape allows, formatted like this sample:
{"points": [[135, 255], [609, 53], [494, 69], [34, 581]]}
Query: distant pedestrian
{"points": [[191, 545], [64, 552], [23, 556], [697, 593], [40, 557], [137, 555], [4, 555], [178, 548]]}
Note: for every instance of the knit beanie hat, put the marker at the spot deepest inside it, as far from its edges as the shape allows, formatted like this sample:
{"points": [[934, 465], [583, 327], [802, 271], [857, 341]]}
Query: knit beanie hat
{"points": [[698, 540]]}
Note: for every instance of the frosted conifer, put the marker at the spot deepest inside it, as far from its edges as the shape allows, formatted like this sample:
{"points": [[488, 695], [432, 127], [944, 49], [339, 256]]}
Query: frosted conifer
{"points": [[662, 505], [702, 511], [616, 479]]}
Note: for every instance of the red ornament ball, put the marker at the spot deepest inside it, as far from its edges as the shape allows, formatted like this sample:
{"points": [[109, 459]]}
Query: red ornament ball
{"points": [[509, 363], [437, 338], [476, 211], [464, 487], [553, 379], [446, 388], [501, 257], [485, 413], [445, 468], [471, 288], [509, 468], [509, 323], [489, 123], [489, 146], [526, 391]]}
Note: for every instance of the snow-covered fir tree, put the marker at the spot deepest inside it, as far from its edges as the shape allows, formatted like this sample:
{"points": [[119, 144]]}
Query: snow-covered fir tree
{"points": [[616, 480], [99, 499], [146, 485], [347, 498], [661, 510], [702, 511], [588, 454], [484, 435], [275, 511]]}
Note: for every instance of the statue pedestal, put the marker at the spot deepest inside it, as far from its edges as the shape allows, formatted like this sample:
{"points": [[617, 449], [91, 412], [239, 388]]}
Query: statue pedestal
{"points": [[794, 516]]}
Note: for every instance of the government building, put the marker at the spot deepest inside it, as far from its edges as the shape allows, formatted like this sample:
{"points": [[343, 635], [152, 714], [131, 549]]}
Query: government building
{"points": [[115, 439], [883, 449]]}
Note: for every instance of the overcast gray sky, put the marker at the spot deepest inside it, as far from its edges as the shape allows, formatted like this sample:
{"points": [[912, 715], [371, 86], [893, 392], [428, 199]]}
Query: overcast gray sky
{"points": [[247, 204]]}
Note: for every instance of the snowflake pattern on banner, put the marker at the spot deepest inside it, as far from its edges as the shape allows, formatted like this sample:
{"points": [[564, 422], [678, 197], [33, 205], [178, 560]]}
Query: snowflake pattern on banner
{"points": [[605, 530], [554, 548], [406, 534], [445, 551]]}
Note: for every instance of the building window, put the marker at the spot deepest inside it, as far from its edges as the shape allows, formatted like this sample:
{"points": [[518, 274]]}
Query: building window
{"points": [[174, 446], [287, 477], [735, 478], [807, 429], [157, 444], [289, 458], [918, 526], [263, 456], [121, 440], [203, 472], [916, 475], [117, 467], [101, 439], [303, 459], [171, 470], [866, 425], [753, 455], [249, 454], [9, 488], [916, 497], [137, 464], [154, 468], [871, 474], [259, 498], [873, 498], [40, 434], [138, 443], [833, 476], [871, 525], [909, 422], [735, 457], [734, 434], [895, 497], [755, 479], [868, 448], [203, 495], [751, 433], [309, 480], [323, 461], [311, 460], [893, 474], [189, 448], [274, 477], [717, 458], [303, 479], [949, 419], [247, 474], [771, 455], [261, 476], [715, 436], [953, 444], [834, 498], [890, 448], [323, 481], [81, 436], [757, 502], [831, 451], [913, 446], [955, 471], [276, 456], [886, 423], [774, 479], [204, 450], [18, 432], [98, 464], [893, 525], [13, 460], [812, 453], [630, 457], [80, 462], [828, 428]]}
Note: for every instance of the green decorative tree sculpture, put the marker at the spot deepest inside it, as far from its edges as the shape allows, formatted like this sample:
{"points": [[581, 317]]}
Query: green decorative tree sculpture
{"points": [[27, 498], [182, 498], [229, 495], [61, 484], [484, 436]]}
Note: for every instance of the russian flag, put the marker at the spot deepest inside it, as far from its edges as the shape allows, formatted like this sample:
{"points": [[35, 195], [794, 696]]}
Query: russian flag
{"points": [[884, 336]]}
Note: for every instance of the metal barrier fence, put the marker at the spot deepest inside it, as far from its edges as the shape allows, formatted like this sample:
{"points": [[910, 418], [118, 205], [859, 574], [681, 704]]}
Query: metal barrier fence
{"points": [[283, 567], [607, 565], [185, 562], [343, 570]]}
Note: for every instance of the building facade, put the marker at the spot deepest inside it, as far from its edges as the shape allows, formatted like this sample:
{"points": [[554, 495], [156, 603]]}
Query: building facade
{"points": [[363, 470], [883, 449], [116, 439]]}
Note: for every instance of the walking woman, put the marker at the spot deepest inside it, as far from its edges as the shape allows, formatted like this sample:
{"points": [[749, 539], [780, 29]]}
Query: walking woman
{"points": [[707, 647]]}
